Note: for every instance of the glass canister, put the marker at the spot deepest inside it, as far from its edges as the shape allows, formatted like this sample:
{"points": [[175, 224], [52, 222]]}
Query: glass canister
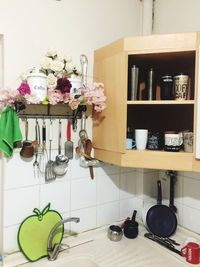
{"points": [[181, 86], [38, 83]]}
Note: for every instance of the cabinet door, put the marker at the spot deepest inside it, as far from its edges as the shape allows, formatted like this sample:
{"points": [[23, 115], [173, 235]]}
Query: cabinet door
{"points": [[196, 159], [109, 126]]}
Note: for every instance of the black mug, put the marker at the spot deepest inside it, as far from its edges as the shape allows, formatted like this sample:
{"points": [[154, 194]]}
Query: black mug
{"points": [[155, 141], [130, 229]]}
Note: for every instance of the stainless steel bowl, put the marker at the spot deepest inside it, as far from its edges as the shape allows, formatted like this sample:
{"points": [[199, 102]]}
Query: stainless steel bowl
{"points": [[115, 233]]}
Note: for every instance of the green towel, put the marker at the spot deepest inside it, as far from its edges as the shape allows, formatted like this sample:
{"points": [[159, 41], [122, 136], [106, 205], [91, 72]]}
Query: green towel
{"points": [[9, 131]]}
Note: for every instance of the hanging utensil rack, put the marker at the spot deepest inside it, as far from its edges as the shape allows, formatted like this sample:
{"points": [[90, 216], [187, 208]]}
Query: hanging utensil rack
{"points": [[52, 112]]}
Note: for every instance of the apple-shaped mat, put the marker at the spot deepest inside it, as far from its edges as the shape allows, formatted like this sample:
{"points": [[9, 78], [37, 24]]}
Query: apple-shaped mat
{"points": [[34, 231]]}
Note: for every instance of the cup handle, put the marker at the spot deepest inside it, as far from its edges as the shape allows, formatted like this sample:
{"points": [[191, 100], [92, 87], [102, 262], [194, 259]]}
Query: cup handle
{"points": [[133, 144], [184, 251]]}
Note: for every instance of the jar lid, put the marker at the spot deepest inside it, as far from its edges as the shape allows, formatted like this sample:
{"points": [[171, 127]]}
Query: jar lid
{"points": [[36, 73], [170, 132], [166, 76], [181, 74]]}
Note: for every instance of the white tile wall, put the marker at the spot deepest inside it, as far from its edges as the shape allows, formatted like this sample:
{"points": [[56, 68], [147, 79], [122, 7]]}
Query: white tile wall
{"points": [[113, 195]]}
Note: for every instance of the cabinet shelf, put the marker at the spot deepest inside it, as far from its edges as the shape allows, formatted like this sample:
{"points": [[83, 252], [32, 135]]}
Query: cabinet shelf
{"points": [[148, 159], [160, 102]]}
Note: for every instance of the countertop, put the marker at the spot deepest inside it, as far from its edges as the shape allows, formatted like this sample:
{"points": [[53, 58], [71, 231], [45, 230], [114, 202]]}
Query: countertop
{"points": [[94, 249]]}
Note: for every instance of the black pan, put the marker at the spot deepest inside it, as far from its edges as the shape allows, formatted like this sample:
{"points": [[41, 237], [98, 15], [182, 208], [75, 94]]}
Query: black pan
{"points": [[160, 219]]}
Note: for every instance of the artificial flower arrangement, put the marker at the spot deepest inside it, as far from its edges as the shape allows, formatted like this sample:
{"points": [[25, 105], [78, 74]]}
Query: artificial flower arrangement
{"points": [[58, 69]]}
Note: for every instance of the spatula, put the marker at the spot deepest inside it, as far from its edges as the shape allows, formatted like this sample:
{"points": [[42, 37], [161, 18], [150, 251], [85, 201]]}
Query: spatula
{"points": [[69, 146]]}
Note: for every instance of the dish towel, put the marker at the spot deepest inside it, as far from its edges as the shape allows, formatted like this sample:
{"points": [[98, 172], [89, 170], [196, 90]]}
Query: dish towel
{"points": [[9, 131]]}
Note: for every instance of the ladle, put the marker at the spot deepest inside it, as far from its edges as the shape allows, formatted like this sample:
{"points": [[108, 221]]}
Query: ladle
{"points": [[60, 165]]}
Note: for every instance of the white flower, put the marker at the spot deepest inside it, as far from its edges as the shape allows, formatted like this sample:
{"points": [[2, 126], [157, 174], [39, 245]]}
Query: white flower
{"points": [[46, 62], [51, 52], [60, 57], [51, 81], [24, 75], [57, 65], [68, 58], [69, 67]]}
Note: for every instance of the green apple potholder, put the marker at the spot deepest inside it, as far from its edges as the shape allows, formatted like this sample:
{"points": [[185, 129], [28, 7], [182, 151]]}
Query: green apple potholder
{"points": [[34, 231]]}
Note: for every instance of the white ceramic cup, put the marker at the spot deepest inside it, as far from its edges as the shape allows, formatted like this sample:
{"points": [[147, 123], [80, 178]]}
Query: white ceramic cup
{"points": [[141, 138]]}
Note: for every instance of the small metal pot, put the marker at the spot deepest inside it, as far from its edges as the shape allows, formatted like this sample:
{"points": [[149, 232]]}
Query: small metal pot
{"points": [[115, 233]]}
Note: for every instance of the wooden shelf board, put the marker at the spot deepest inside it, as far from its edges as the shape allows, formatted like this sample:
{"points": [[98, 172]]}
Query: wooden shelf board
{"points": [[163, 160], [160, 102]]}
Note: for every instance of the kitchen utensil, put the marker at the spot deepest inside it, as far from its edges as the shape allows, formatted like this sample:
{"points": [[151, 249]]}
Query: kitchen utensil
{"points": [[49, 174], [87, 149], [162, 242], [27, 150], [192, 252], [173, 141], [115, 233], [43, 156], [38, 83], [159, 219], [166, 87], [151, 84], [83, 134], [131, 227], [181, 86], [84, 65], [141, 138], [155, 141], [172, 175], [69, 146], [60, 165], [36, 148], [134, 82], [78, 151], [188, 141]]}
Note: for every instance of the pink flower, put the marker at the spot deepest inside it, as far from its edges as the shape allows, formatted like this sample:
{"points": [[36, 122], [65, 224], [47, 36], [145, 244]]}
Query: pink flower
{"points": [[32, 98], [94, 95], [64, 85], [8, 96], [24, 89], [73, 103], [55, 96]]}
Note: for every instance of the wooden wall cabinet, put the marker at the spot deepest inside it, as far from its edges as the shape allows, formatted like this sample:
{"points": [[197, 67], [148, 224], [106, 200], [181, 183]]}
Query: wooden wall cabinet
{"points": [[168, 54]]}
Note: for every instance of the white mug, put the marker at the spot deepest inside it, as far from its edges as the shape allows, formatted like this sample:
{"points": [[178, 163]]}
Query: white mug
{"points": [[141, 138]]}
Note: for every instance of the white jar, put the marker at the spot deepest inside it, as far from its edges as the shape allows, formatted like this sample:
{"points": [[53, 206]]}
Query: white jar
{"points": [[76, 85], [38, 83]]}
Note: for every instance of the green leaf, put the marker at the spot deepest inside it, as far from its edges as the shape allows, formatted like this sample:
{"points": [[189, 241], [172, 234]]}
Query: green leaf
{"points": [[46, 209], [76, 96], [37, 212]]}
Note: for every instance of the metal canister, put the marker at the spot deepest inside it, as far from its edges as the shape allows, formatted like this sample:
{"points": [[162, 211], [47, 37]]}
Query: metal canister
{"points": [[134, 82], [151, 84], [181, 85], [166, 87]]}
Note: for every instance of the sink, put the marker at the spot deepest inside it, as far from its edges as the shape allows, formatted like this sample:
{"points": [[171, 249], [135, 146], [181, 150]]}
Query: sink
{"points": [[78, 262]]}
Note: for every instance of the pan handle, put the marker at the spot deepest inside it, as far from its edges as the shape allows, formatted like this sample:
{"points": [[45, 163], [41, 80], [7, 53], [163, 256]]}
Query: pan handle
{"points": [[159, 196]]}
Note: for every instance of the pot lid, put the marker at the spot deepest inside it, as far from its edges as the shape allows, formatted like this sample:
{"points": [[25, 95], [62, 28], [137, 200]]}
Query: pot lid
{"points": [[36, 73]]}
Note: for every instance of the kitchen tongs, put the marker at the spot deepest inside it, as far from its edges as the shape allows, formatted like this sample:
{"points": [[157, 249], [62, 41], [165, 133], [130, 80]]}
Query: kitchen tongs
{"points": [[166, 242]]}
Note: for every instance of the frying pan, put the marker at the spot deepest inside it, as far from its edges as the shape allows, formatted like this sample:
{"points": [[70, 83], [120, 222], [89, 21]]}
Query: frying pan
{"points": [[160, 219]]}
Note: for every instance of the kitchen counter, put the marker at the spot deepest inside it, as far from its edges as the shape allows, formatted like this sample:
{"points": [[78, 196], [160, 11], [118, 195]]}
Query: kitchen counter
{"points": [[94, 249]]}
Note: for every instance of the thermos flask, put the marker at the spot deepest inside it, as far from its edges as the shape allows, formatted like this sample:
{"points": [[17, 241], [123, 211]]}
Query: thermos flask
{"points": [[134, 82], [151, 84]]}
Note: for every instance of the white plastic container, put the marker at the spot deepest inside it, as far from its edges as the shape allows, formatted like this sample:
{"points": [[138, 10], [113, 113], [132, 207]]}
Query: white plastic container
{"points": [[76, 85], [38, 83]]}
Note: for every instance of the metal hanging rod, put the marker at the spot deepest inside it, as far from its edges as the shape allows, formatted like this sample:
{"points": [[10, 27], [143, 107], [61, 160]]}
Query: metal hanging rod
{"points": [[24, 116]]}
